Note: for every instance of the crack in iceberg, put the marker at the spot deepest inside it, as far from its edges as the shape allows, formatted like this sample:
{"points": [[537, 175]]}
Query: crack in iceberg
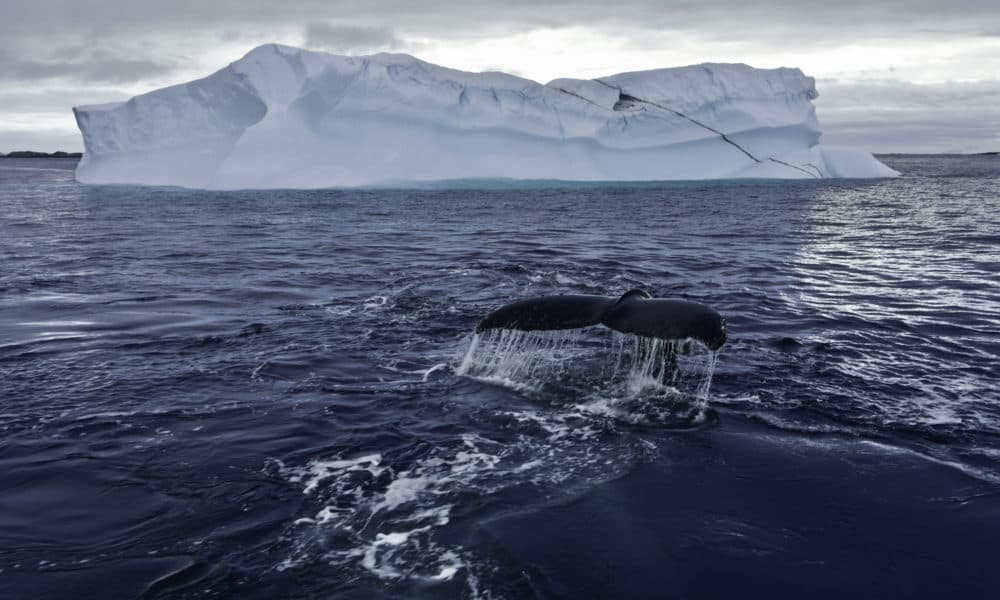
{"points": [[587, 100], [781, 162], [725, 138], [625, 100]]}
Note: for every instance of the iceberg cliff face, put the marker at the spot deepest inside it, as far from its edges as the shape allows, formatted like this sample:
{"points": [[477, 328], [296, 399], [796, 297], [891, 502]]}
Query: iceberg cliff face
{"points": [[281, 117]]}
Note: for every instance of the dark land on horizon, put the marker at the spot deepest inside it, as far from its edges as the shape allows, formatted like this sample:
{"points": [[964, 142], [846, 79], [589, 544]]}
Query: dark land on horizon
{"points": [[33, 154]]}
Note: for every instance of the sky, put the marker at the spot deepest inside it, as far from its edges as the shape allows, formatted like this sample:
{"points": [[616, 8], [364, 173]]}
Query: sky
{"points": [[893, 75]]}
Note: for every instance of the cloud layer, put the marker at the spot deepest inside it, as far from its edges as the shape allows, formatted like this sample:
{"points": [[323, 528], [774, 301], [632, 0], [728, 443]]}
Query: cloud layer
{"points": [[912, 75], [349, 39]]}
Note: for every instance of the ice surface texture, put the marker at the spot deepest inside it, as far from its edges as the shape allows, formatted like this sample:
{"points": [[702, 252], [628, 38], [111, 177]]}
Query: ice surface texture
{"points": [[281, 117]]}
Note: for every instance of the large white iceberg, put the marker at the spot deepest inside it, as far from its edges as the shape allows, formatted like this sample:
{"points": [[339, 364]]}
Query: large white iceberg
{"points": [[281, 117]]}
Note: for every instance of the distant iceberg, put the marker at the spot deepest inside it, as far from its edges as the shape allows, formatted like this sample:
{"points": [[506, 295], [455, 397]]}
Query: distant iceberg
{"points": [[282, 117]]}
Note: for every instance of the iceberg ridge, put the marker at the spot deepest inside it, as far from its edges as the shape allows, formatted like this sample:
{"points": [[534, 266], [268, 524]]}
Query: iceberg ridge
{"points": [[282, 117]]}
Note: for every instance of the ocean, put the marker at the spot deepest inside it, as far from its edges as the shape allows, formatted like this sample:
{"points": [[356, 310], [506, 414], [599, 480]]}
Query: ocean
{"points": [[270, 394]]}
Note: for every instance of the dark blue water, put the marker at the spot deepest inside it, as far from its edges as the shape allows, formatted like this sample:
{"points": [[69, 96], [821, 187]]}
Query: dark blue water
{"points": [[254, 394]]}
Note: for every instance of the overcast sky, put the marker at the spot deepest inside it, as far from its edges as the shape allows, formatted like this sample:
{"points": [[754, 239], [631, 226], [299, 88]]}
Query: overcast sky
{"points": [[907, 76]]}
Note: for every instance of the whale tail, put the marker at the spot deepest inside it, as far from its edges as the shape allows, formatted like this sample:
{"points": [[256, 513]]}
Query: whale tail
{"points": [[634, 312]]}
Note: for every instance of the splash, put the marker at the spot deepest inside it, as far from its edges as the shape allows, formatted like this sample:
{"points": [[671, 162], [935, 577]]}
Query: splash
{"points": [[607, 364]]}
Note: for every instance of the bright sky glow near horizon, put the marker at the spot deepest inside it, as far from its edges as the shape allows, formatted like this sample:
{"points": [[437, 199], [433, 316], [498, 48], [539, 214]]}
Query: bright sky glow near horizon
{"points": [[893, 76]]}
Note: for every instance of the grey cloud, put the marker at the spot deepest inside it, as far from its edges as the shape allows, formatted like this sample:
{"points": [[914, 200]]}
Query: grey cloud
{"points": [[891, 94], [81, 64], [448, 19], [336, 25], [349, 38], [55, 99], [899, 116], [104, 71], [913, 136]]}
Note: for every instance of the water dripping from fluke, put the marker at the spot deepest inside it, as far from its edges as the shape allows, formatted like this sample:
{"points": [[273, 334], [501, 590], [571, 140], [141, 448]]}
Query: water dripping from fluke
{"points": [[653, 360]]}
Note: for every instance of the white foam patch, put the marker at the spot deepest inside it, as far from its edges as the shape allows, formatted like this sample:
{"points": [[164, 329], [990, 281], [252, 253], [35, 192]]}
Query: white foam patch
{"points": [[317, 471], [387, 515], [383, 517]]}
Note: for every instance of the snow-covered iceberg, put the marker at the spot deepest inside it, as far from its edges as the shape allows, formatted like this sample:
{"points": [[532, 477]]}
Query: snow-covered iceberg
{"points": [[281, 117]]}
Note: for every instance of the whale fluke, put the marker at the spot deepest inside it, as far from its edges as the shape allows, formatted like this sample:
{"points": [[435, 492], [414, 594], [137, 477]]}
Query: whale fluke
{"points": [[634, 312]]}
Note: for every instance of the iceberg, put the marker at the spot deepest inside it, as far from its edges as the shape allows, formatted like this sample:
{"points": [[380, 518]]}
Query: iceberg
{"points": [[283, 117]]}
